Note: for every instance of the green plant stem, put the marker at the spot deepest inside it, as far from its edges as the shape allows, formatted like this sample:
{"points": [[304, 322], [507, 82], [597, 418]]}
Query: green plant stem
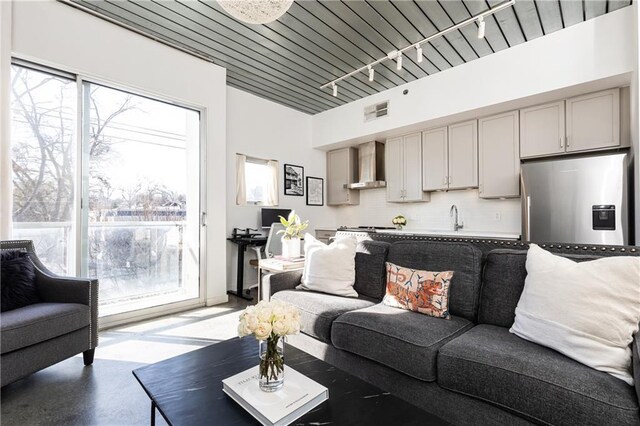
{"points": [[272, 364]]}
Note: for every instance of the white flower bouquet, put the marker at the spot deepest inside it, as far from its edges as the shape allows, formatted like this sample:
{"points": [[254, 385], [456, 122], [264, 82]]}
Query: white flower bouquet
{"points": [[270, 322]]}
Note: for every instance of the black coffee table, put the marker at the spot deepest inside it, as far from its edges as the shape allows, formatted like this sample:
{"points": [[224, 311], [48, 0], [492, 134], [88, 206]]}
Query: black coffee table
{"points": [[187, 390]]}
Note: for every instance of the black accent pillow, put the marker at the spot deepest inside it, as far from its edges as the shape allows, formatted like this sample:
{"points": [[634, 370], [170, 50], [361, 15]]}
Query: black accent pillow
{"points": [[17, 280]]}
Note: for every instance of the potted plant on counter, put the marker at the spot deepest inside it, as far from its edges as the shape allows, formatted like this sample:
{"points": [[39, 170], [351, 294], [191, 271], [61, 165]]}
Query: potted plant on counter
{"points": [[291, 234]]}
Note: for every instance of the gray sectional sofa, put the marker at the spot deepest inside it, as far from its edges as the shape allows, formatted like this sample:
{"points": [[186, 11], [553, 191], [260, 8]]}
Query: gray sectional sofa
{"points": [[469, 369]]}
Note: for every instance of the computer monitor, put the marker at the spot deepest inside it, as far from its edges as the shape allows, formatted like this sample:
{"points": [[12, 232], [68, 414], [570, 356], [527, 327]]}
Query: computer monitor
{"points": [[270, 216]]}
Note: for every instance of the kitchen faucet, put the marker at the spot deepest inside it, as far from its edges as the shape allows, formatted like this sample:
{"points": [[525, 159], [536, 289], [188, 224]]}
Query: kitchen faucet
{"points": [[456, 225]]}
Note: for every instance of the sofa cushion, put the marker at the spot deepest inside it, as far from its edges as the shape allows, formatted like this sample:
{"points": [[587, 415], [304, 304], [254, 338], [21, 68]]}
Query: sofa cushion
{"points": [[502, 284], [330, 268], [318, 310], [539, 383], [17, 280], [463, 259], [36, 323], [425, 292], [371, 273], [403, 340]]}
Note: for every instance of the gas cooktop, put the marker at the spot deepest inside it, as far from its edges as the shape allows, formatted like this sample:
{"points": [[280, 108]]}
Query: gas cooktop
{"points": [[363, 228]]}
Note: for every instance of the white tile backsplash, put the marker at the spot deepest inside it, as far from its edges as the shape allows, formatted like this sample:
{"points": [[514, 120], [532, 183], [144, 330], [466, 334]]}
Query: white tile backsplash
{"points": [[476, 213]]}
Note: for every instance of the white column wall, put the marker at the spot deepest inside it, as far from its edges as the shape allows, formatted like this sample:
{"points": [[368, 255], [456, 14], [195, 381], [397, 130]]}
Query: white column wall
{"points": [[6, 198]]}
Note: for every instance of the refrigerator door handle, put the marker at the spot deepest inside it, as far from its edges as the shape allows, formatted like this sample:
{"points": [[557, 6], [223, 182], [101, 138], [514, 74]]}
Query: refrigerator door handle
{"points": [[528, 220]]}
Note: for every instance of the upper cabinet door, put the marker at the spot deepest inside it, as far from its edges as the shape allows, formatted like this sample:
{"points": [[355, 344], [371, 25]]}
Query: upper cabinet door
{"points": [[412, 168], [341, 170], [593, 121], [435, 167], [542, 130], [463, 155], [394, 170], [499, 156]]}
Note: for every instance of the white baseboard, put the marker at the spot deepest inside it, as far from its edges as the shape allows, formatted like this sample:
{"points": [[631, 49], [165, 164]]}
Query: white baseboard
{"points": [[217, 300]]}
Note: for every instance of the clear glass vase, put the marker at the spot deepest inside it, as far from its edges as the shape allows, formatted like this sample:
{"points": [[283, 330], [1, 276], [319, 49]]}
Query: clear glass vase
{"points": [[271, 369]]}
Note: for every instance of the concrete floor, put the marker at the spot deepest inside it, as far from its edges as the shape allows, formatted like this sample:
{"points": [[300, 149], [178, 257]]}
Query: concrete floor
{"points": [[106, 393]]}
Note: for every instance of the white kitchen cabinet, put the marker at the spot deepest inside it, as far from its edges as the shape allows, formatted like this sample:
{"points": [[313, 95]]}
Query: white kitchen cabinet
{"points": [[499, 156], [342, 169], [542, 130], [435, 159], [463, 155], [593, 121], [403, 161], [450, 157]]}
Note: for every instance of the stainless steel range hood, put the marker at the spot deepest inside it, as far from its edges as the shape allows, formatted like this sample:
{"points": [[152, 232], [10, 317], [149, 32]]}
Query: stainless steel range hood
{"points": [[371, 166]]}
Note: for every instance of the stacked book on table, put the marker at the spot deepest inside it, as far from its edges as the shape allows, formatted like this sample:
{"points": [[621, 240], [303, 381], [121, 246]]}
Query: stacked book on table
{"points": [[298, 396], [279, 263]]}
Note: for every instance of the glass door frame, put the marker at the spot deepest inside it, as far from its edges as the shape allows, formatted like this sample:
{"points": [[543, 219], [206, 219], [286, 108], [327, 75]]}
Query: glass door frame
{"points": [[78, 248], [82, 212]]}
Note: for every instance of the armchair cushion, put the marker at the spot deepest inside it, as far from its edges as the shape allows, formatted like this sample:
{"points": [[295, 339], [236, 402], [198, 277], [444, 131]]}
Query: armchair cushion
{"points": [[39, 322], [17, 280]]}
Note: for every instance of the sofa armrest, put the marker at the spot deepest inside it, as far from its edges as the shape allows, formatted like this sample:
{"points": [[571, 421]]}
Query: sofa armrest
{"points": [[57, 289], [273, 283], [635, 361]]}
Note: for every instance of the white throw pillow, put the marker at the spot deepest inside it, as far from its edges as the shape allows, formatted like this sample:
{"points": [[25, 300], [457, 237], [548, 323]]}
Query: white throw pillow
{"points": [[587, 311], [330, 268]]}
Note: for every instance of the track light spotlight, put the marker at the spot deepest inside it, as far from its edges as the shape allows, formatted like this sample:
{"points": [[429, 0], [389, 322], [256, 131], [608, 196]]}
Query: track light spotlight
{"points": [[371, 73], [335, 89], [481, 27], [399, 61], [418, 53]]}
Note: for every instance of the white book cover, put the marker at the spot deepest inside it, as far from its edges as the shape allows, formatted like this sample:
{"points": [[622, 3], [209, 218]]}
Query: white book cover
{"points": [[298, 396]]}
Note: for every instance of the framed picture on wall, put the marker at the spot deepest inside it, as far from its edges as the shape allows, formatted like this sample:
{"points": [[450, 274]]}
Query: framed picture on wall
{"points": [[293, 180], [315, 191]]}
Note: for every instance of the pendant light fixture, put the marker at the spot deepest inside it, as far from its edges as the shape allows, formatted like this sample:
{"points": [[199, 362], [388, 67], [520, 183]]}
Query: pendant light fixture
{"points": [[397, 54], [256, 11]]}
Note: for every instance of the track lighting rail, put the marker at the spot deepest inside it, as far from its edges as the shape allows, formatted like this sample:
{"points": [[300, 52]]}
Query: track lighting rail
{"points": [[397, 54]]}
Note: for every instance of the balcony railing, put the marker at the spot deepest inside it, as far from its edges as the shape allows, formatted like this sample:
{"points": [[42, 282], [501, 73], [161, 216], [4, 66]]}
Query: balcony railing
{"points": [[132, 259]]}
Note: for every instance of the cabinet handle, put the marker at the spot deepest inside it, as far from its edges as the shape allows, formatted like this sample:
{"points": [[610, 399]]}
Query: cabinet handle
{"points": [[561, 142], [444, 180], [449, 180], [567, 142]]}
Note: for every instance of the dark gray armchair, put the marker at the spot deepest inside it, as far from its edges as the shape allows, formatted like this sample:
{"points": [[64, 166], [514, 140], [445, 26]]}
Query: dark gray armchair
{"points": [[62, 325]]}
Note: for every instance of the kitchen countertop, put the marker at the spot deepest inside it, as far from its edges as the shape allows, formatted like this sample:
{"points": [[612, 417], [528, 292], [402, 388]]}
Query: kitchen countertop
{"points": [[454, 234]]}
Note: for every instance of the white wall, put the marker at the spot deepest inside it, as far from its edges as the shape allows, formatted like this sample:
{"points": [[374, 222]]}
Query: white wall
{"points": [[54, 34], [593, 50], [259, 128], [5, 152]]}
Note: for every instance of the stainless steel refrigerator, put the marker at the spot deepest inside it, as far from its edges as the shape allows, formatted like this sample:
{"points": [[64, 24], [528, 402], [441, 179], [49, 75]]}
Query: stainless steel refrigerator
{"points": [[581, 200]]}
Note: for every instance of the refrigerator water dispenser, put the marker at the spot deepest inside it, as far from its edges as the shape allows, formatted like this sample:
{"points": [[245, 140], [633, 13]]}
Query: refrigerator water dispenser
{"points": [[604, 217]]}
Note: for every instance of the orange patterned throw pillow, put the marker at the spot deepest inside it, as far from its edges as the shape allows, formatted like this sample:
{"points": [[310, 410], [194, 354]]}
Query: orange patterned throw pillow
{"points": [[419, 291]]}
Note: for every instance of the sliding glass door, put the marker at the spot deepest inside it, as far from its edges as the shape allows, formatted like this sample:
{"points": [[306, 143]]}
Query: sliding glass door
{"points": [[107, 184]]}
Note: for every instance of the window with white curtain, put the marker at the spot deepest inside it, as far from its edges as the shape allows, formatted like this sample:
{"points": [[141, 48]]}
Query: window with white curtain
{"points": [[257, 181]]}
